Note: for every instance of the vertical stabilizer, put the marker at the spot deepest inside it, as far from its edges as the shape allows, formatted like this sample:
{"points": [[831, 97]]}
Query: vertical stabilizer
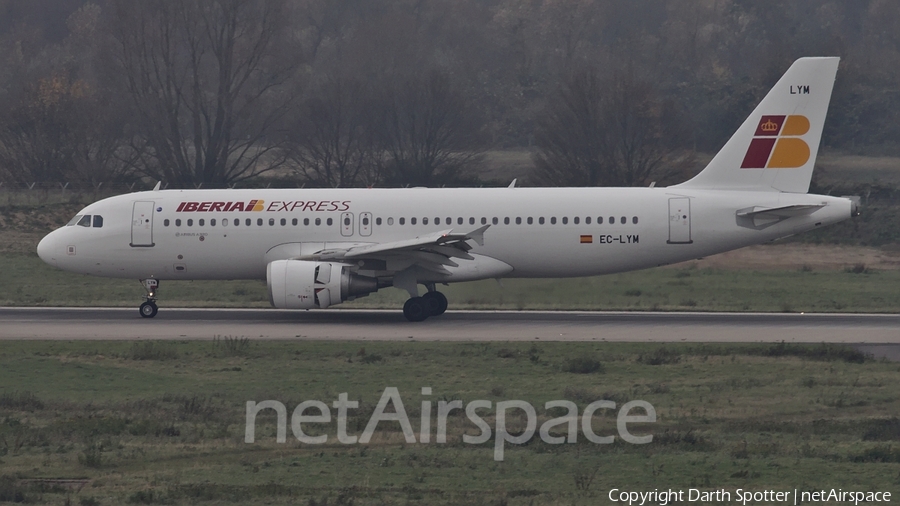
{"points": [[775, 149]]}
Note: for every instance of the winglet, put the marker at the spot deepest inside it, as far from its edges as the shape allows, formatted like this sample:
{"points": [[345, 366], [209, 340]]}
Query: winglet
{"points": [[478, 235]]}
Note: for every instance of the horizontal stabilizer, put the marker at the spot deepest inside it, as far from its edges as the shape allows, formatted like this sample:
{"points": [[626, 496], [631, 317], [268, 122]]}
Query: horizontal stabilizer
{"points": [[779, 212]]}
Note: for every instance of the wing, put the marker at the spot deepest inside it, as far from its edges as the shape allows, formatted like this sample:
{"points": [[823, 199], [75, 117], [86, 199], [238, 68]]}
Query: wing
{"points": [[433, 252]]}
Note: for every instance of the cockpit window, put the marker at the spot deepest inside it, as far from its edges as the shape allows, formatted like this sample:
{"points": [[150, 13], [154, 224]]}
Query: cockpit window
{"points": [[85, 220]]}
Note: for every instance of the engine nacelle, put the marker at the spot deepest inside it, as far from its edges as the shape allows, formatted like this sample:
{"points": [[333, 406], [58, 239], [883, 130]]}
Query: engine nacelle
{"points": [[302, 284]]}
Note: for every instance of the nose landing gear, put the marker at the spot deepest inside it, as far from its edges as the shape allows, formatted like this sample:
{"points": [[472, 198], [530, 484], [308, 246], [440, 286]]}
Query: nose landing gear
{"points": [[148, 309]]}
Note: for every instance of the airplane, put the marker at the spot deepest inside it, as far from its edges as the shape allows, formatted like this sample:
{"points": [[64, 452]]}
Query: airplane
{"points": [[319, 247]]}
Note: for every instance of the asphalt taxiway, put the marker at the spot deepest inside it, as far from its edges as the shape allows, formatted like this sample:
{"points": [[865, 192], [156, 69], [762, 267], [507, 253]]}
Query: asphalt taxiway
{"points": [[345, 324]]}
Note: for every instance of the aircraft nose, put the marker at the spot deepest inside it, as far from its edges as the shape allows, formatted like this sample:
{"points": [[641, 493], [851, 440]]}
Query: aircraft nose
{"points": [[48, 249]]}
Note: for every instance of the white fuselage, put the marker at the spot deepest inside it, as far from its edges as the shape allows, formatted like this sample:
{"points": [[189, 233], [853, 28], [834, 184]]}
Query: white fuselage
{"points": [[534, 232]]}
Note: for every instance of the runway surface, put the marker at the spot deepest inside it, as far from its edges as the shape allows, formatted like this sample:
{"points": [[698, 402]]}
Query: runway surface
{"points": [[125, 323]]}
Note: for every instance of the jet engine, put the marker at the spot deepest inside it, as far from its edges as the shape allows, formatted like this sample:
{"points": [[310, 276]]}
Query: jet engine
{"points": [[303, 284]]}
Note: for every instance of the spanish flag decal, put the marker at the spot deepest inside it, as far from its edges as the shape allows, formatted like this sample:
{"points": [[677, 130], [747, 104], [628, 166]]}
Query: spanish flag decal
{"points": [[587, 239]]}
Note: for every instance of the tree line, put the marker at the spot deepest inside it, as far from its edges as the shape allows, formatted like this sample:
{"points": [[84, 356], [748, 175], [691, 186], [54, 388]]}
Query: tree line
{"points": [[342, 93]]}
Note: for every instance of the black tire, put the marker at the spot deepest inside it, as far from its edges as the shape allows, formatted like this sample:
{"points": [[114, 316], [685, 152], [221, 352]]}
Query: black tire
{"points": [[415, 309], [148, 310], [435, 302]]}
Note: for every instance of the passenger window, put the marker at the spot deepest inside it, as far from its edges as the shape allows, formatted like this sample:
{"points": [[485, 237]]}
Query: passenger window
{"points": [[518, 220], [495, 220], [506, 221], [259, 222], [623, 220], [402, 221], [424, 221], [212, 222], [483, 220], [248, 222], [412, 221], [575, 220], [553, 220], [449, 220], [599, 220], [98, 221], [225, 222], [347, 221], [85, 221], [459, 220], [305, 222], [530, 220], [178, 222], [329, 221], [365, 221], [294, 222], [190, 223], [612, 220], [378, 221], [166, 222], [634, 220], [471, 220], [236, 222], [390, 221], [318, 221], [541, 220], [201, 222], [283, 222], [565, 220], [272, 222], [587, 221]]}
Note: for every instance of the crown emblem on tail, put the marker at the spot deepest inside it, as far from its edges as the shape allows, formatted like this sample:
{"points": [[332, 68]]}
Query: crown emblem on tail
{"points": [[769, 126]]}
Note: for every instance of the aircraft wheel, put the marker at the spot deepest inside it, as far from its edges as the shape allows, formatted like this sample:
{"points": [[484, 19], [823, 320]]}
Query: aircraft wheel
{"points": [[148, 310], [415, 309], [435, 303]]}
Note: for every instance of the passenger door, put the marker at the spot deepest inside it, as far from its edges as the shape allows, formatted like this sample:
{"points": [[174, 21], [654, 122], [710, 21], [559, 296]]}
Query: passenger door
{"points": [[142, 224], [680, 220]]}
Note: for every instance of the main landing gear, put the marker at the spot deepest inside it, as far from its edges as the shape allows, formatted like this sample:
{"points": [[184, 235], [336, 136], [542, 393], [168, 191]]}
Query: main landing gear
{"points": [[148, 309], [433, 303]]}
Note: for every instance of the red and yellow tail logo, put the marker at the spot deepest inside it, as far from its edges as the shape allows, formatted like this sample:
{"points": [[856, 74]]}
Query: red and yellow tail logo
{"points": [[783, 134]]}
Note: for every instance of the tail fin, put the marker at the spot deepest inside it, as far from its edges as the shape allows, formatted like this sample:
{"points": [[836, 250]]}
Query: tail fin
{"points": [[775, 149]]}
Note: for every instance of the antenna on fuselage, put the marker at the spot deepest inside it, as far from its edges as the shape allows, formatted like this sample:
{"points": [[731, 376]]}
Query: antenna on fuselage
{"points": [[158, 185], [513, 184]]}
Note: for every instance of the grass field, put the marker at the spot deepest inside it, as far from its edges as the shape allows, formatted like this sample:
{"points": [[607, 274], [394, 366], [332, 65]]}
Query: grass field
{"points": [[26, 280], [163, 422]]}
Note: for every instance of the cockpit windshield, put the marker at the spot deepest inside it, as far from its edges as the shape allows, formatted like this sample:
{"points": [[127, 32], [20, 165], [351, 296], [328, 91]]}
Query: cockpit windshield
{"points": [[84, 220]]}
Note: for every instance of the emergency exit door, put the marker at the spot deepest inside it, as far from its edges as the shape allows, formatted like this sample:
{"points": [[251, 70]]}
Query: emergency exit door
{"points": [[680, 221], [346, 224], [365, 224]]}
